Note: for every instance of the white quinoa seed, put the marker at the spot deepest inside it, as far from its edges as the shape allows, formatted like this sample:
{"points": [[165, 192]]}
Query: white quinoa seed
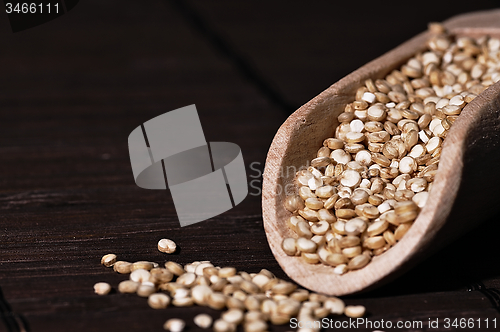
{"points": [[167, 246]]}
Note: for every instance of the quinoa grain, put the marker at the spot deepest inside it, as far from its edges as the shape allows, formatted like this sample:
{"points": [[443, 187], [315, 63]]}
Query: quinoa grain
{"points": [[158, 301], [102, 288], [167, 246], [203, 321], [108, 260], [174, 325]]}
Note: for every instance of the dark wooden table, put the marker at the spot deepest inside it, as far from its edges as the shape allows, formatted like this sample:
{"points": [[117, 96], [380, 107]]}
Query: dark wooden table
{"points": [[73, 89]]}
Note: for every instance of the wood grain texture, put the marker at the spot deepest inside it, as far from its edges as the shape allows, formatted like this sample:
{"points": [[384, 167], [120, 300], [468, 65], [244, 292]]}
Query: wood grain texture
{"points": [[474, 134], [301, 49], [72, 91]]}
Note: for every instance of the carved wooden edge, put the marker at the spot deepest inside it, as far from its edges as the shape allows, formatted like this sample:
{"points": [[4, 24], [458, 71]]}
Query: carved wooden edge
{"points": [[300, 136]]}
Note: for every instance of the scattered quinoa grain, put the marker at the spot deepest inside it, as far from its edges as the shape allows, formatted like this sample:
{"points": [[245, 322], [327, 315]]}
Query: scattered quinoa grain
{"points": [[203, 321], [102, 288], [174, 325], [108, 260], [158, 301], [354, 311], [128, 286], [221, 325], [167, 246], [122, 267]]}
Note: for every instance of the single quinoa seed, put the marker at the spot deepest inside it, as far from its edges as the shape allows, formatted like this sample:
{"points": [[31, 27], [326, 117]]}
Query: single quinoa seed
{"points": [[354, 311], [158, 300], [108, 260], [128, 286], [174, 325], [203, 321], [122, 267], [102, 288], [167, 246]]}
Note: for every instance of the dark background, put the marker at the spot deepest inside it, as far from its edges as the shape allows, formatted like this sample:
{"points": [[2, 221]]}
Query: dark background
{"points": [[73, 89]]}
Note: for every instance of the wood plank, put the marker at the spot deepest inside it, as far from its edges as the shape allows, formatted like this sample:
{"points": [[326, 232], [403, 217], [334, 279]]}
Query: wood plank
{"points": [[71, 92], [75, 88], [301, 49]]}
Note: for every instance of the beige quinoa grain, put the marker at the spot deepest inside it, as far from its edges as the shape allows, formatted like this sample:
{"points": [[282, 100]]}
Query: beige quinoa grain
{"points": [[158, 301], [174, 325], [167, 246], [128, 286], [122, 267], [108, 260], [354, 311], [203, 321], [102, 288]]}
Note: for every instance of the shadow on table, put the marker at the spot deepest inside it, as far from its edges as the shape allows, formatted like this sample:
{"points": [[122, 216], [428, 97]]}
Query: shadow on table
{"points": [[466, 264]]}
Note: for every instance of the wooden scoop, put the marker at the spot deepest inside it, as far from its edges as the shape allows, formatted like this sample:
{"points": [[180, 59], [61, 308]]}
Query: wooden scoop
{"points": [[466, 188]]}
